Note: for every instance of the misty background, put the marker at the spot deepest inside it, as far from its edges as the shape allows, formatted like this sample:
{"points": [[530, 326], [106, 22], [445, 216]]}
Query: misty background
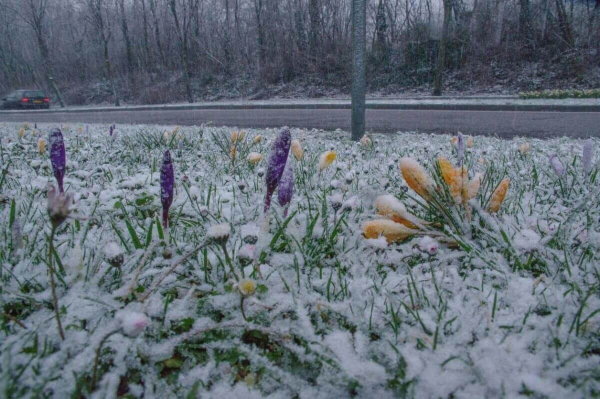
{"points": [[161, 51]]}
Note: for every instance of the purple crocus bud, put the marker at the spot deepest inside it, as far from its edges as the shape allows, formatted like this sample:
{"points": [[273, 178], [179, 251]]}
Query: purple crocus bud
{"points": [[285, 191], [558, 167], [276, 165], [461, 148], [167, 182], [58, 157], [588, 155], [111, 129]]}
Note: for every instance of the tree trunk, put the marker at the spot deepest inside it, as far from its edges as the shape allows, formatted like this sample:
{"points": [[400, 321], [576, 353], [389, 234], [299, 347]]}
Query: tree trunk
{"points": [[161, 52], [125, 31], [359, 49], [441, 62], [146, 41], [313, 15], [49, 75], [183, 49], [564, 23], [227, 41], [37, 22], [109, 72], [260, 39]]}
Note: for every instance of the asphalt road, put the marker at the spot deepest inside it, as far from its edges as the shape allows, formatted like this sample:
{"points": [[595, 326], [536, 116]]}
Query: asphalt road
{"points": [[505, 124]]}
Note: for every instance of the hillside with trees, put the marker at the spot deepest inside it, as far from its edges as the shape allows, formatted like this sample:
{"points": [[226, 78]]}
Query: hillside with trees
{"points": [[159, 51]]}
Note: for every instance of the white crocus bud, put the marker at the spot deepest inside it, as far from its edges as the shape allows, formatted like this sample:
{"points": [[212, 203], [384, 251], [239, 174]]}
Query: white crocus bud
{"points": [[219, 233], [132, 323]]}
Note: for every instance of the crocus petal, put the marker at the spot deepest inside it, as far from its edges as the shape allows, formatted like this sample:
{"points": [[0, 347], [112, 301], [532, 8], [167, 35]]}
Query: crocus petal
{"points": [[285, 191], [58, 156], [416, 177], [390, 207], [498, 195], [277, 160], [167, 183], [393, 232]]}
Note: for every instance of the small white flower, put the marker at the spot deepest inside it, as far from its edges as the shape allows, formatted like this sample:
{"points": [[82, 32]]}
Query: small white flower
{"points": [[219, 232], [132, 323], [247, 287], [429, 245], [113, 254]]}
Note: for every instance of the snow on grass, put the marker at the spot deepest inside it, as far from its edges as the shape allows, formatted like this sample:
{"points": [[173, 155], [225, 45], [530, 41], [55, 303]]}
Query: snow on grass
{"points": [[471, 304]]}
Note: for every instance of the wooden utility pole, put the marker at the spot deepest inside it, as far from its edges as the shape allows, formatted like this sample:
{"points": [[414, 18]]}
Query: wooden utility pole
{"points": [[359, 64]]}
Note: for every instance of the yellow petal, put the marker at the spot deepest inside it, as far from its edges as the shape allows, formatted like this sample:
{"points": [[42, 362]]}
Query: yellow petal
{"points": [[254, 158], [41, 145], [390, 207], [326, 159], [257, 139], [498, 195], [452, 177], [393, 232], [474, 185], [470, 142], [416, 177], [297, 150]]}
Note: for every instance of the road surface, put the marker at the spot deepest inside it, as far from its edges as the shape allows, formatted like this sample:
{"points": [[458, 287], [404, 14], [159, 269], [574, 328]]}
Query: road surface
{"points": [[505, 124]]}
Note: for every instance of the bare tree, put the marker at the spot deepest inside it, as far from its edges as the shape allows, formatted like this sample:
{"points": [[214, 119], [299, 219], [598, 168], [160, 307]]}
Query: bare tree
{"points": [[441, 61], [182, 29], [359, 60], [99, 18], [254, 45], [34, 13], [125, 31]]}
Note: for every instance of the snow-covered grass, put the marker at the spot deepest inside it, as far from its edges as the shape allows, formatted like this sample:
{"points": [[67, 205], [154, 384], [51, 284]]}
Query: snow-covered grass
{"points": [[471, 304]]}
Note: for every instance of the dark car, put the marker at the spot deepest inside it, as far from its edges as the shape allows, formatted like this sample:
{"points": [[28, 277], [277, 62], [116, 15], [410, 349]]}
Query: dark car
{"points": [[26, 99]]}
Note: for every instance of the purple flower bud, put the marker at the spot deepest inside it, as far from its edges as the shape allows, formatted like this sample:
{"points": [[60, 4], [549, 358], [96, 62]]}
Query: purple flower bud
{"points": [[285, 191], [461, 148], [276, 165], [588, 155], [558, 167], [167, 182], [58, 157], [111, 129]]}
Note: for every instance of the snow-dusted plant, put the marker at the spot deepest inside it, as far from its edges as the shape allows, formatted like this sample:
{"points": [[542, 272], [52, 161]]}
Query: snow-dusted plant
{"points": [[588, 156], [167, 184], [285, 191], [58, 156], [276, 164]]}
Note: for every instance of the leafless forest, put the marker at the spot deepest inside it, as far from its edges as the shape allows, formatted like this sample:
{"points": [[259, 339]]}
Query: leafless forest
{"points": [[155, 51]]}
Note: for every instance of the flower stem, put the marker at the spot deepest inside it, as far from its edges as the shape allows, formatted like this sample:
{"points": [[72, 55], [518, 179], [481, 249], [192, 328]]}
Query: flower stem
{"points": [[228, 260], [52, 283], [242, 298], [97, 359]]}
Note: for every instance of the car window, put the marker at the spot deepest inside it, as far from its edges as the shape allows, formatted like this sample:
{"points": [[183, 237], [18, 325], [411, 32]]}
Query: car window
{"points": [[34, 93]]}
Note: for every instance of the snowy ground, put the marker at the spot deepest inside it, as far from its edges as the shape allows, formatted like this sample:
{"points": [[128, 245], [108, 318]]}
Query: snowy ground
{"points": [[473, 304]]}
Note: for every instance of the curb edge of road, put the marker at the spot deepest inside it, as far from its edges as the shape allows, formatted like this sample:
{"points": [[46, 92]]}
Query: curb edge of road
{"points": [[376, 106]]}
